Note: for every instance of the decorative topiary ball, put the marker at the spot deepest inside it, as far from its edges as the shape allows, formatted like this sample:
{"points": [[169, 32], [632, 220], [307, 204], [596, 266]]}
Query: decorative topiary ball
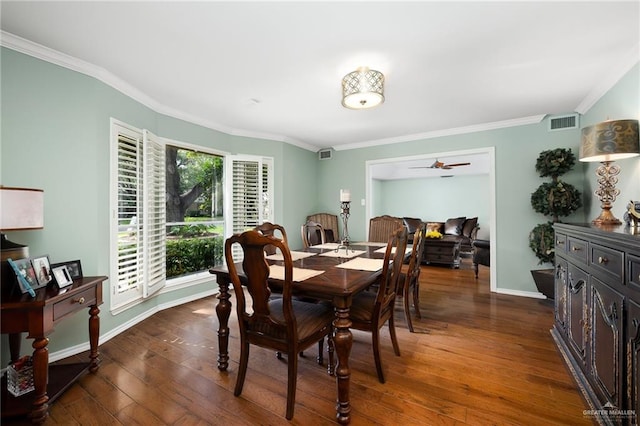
{"points": [[542, 242], [556, 199], [555, 162]]}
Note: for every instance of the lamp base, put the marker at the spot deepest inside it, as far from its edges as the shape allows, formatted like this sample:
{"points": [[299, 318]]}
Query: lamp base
{"points": [[606, 218]]}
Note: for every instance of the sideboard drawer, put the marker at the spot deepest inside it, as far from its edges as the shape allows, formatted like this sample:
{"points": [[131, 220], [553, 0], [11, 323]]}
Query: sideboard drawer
{"points": [[561, 243], [577, 249], [74, 303], [607, 260]]}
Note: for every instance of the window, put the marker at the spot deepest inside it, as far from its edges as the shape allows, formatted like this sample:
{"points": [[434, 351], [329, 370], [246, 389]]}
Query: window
{"points": [[137, 196], [195, 223], [250, 195], [155, 244]]}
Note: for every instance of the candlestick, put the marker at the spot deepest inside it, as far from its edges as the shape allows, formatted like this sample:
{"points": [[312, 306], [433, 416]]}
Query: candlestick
{"points": [[344, 213]]}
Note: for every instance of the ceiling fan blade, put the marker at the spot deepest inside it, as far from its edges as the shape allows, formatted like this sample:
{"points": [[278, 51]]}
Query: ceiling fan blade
{"points": [[446, 167], [457, 164]]}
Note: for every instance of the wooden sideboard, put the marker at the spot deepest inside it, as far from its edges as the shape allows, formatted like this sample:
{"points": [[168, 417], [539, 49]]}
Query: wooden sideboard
{"points": [[597, 316], [38, 317]]}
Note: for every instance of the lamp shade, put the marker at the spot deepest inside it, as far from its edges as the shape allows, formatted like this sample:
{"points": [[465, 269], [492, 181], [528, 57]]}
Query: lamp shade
{"points": [[362, 89], [610, 141], [21, 209]]}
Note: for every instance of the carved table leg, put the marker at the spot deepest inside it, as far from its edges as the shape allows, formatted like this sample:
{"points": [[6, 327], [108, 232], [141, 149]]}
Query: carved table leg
{"points": [[223, 310], [94, 333], [40, 379], [343, 339]]}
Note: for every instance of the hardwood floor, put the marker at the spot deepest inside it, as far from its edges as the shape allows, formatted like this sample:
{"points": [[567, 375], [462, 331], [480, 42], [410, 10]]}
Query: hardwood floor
{"points": [[477, 358]]}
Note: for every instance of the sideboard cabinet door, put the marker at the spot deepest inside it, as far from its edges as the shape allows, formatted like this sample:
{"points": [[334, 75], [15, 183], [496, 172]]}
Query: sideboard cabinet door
{"points": [[605, 341], [561, 295], [576, 311], [633, 355]]}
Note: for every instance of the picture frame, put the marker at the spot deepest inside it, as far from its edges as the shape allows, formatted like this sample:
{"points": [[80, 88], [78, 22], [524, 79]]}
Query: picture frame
{"points": [[74, 267], [42, 269], [62, 276], [25, 275]]}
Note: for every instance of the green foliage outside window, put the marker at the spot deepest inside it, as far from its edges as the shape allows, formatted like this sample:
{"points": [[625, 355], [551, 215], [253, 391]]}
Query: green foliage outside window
{"points": [[189, 255]]}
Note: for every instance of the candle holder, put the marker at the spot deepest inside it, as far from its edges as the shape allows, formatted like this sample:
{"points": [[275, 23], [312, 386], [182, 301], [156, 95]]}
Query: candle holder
{"points": [[344, 214]]}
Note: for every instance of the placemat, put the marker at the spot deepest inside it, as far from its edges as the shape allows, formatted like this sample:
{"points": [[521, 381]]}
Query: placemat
{"points": [[329, 246], [393, 250], [369, 243], [299, 274], [343, 253], [362, 264], [295, 255]]}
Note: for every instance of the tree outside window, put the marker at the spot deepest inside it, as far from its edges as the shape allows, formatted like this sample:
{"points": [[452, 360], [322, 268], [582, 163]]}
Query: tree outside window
{"points": [[195, 222]]}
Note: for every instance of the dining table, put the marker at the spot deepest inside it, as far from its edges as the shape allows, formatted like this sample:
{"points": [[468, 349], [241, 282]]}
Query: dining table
{"points": [[331, 272]]}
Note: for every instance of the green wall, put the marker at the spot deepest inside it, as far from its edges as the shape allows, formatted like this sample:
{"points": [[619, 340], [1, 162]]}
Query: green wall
{"points": [[55, 136], [516, 151]]}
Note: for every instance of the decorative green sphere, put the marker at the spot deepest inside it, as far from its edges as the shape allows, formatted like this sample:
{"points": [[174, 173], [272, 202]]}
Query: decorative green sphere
{"points": [[542, 242], [555, 162]]}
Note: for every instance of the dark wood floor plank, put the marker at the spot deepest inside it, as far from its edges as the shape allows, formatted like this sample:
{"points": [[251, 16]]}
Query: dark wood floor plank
{"points": [[477, 358]]}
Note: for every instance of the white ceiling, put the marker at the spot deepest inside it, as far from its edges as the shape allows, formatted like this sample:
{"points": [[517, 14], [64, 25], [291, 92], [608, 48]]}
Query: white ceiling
{"points": [[273, 70]]}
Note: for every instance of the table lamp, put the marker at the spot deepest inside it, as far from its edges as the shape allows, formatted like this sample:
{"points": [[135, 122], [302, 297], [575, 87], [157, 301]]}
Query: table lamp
{"points": [[606, 142], [20, 209]]}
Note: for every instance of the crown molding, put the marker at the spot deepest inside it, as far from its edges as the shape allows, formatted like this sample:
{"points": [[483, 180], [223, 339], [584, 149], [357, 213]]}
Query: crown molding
{"points": [[47, 54], [534, 119], [55, 57], [617, 72]]}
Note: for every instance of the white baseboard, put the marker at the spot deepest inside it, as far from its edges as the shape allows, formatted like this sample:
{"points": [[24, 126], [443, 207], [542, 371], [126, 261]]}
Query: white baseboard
{"points": [[74, 350], [532, 294]]}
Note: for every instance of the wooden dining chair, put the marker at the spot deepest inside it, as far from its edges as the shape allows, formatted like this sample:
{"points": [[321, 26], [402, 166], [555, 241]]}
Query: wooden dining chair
{"points": [[282, 324], [268, 228], [381, 228], [312, 234], [409, 281], [329, 223], [369, 310]]}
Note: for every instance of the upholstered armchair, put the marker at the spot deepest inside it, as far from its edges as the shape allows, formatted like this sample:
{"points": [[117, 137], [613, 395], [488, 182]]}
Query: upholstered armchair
{"points": [[481, 250]]}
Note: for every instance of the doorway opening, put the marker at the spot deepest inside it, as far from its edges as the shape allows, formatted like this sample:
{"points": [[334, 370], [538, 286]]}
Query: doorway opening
{"points": [[464, 165]]}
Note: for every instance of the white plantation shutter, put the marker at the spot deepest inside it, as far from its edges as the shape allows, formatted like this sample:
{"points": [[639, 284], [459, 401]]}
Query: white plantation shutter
{"points": [[154, 214], [267, 190], [128, 236], [249, 194], [138, 218]]}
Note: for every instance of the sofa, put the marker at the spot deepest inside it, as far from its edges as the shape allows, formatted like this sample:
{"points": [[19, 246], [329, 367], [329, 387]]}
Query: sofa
{"points": [[459, 228]]}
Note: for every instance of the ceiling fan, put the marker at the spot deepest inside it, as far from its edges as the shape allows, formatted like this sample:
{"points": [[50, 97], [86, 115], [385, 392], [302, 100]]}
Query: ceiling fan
{"points": [[440, 165]]}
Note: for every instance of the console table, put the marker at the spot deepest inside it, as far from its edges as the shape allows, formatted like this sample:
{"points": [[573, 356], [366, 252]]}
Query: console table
{"points": [[38, 317], [442, 251]]}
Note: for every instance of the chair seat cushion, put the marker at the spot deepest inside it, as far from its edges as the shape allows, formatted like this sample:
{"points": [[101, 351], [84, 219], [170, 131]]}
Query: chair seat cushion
{"points": [[310, 317]]}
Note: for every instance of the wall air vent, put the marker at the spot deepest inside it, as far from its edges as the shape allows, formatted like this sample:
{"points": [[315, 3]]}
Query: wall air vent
{"points": [[325, 154], [563, 122]]}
